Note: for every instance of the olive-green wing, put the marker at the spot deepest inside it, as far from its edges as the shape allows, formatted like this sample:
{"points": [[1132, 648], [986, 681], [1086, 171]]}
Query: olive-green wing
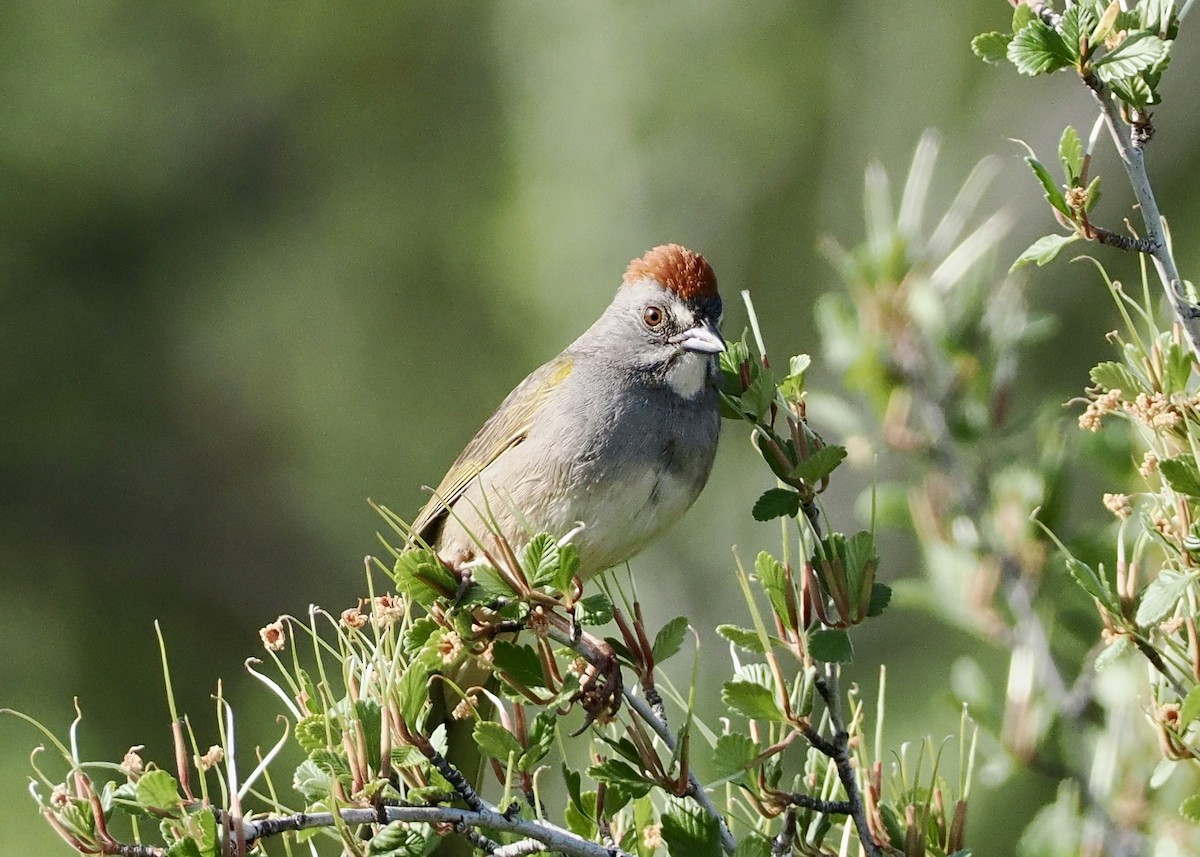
{"points": [[504, 429]]}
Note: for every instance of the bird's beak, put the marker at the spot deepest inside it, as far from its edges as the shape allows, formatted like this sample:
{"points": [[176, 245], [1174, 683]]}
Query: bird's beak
{"points": [[704, 338]]}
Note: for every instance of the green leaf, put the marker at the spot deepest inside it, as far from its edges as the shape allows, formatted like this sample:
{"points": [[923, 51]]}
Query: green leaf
{"points": [[773, 576], [1050, 188], [1039, 49], [520, 662], [831, 646], [1178, 365], [743, 638], [157, 789], [1190, 809], [495, 741], [776, 503], [311, 782], [1023, 16], [1111, 653], [1093, 194], [757, 398], [1044, 250], [1181, 474], [820, 464], [491, 582], [1137, 53], [1092, 582], [1135, 91], [1076, 23], [992, 48], [568, 567], [751, 699], [1070, 152], [619, 773], [402, 839], [733, 753], [316, 731], [594, 610], [541, 739], [1190, 709], [414, 693], [420, 575], [881, 596], [1117, 376], [1161, 596], [540, 559], [689, 831], [669, 639]]}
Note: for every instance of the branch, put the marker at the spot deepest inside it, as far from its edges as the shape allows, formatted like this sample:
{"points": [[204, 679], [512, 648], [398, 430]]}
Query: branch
{"points": [[1134, 158], [839, 751]]}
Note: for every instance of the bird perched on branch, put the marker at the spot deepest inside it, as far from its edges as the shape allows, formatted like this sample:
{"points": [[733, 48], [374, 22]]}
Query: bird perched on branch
{"points": [[613, 438], [612, 441]]}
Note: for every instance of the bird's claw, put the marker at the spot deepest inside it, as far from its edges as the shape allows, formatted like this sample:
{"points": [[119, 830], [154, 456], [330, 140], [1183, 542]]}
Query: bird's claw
{"points": [[600, 689]]}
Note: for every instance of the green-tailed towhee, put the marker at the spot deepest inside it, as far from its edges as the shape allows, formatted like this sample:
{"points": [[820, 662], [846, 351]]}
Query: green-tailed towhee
{"points": [[614, 438]]}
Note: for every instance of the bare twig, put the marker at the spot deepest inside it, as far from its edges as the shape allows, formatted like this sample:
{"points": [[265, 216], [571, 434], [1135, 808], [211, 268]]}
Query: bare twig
{"points": [[839, 751], [1134, 158]]}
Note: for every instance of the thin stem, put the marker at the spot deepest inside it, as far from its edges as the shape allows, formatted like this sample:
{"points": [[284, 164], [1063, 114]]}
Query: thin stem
{"points": [[1134, 158]]}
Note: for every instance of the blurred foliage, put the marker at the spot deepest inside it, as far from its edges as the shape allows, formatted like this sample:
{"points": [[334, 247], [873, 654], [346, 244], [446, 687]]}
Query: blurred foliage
{"points": [[239, 244]]}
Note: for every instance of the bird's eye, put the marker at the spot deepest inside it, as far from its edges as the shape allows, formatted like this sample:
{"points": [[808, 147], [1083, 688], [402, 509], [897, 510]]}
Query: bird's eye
{"points": [[652, 316]]}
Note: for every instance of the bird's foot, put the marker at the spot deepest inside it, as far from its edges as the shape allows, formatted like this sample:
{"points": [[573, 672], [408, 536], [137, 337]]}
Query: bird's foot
{"points": [[601, 685]]}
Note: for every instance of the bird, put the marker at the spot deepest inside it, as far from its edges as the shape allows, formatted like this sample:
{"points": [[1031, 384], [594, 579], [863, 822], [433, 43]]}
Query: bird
{"points": [[612, 440], [609, 443]]}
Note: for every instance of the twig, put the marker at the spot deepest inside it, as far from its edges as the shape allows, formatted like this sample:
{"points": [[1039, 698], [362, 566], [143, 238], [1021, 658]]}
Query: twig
{"points": [[1134, 158], [781, 845], [638, 704], [839, 751]]}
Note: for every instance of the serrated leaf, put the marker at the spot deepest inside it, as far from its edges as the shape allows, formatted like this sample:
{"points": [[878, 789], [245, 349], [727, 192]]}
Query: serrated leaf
{"points": [[753, 845], [1111, 653], [689, 831], [773, 576], [757, 398], [1074, 25], [669, 639], [157, 789], [1161, 596], [776, 503], [1136, 91], [420, 575], [1178, 364], [1038, 49], [992, 48], [568, 567], [1137, 53], [820, 464], [520, 662], [495, 741], [1117, 376], [619, 773], [311, 782], [594, 610], [1181, 474], [490, 581], [540, 736], [402, 839], [414, 693], [1190, 809], [751, 699], [540, 559], [1044, 251], [1070, 152], [881, 596], [315, 731], [734, 751], [1050, 188], [743, 638], [831, 646]]}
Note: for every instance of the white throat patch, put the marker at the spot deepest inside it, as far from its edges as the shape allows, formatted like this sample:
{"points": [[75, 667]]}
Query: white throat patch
{"points": [[688, 375]]}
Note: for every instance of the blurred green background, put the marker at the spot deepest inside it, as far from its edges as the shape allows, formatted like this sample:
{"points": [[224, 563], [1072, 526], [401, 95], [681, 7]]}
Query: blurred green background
{"points": [[261, 262]]}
